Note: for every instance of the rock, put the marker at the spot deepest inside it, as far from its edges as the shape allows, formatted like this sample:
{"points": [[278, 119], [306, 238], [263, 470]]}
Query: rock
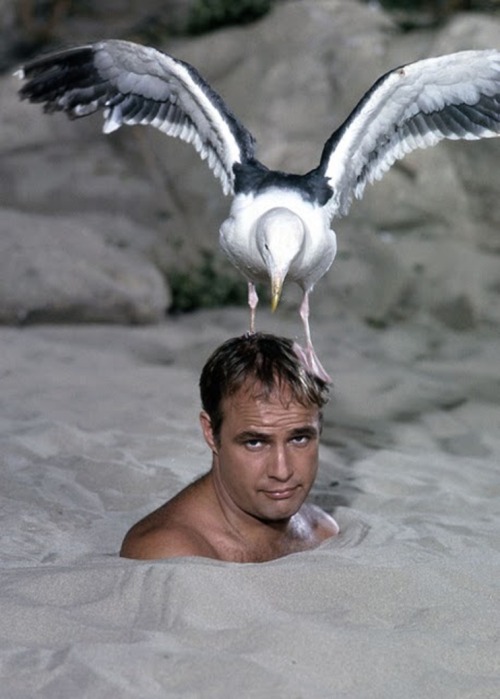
{"points": [[419, 242], [54, 269]]}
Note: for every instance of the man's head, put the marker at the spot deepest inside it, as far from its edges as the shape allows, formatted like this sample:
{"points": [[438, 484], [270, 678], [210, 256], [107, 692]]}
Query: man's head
{"points": [[268, 362]]}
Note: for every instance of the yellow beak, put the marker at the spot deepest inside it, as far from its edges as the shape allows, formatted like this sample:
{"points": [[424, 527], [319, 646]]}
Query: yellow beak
{"points": [[276, 288]]}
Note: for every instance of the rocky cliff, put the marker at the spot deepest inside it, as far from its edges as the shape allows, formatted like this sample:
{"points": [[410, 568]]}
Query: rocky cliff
{"points": [[92, 225]]}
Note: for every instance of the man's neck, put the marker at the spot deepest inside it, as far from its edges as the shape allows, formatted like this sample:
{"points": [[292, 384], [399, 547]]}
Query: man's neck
{"points": [[258, 538]]}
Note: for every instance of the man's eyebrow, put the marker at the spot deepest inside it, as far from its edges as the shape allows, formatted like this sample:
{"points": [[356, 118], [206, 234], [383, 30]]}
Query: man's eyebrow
{"points": [[306, 429], [251, 434]]}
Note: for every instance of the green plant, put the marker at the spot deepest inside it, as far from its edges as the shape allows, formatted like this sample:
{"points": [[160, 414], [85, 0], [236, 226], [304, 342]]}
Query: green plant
{"points": [[212, 283]]}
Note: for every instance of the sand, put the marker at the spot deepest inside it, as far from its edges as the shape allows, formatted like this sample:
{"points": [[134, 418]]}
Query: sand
{"points": [[98, 426]]}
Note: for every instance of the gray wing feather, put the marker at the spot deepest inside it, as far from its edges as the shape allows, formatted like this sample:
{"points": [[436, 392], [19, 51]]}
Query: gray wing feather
{"points": [[134, 84], [455, 97]]}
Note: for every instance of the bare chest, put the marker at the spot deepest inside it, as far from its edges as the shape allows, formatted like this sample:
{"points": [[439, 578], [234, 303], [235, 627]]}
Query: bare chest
{"points": [[258, 549]]}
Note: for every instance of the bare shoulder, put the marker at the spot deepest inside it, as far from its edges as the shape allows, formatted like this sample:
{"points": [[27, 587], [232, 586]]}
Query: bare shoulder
{"points": [[322, 524], [164, 542], [174, 529]]}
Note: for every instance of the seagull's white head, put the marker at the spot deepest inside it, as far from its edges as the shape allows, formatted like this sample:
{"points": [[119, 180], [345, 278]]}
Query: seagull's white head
{"points": [[280, 236]]}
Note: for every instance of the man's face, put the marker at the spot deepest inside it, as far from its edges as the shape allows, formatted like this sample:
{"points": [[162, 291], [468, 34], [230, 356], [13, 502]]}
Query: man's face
{"points": [[266, 456]]}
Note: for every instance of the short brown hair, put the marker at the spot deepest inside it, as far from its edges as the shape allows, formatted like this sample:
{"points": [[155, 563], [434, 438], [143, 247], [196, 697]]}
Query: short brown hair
{"points": [[266, 359]]}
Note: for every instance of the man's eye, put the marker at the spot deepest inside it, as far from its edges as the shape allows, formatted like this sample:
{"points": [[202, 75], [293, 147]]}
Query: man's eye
{"points": [[253, 443], [301, 439]]}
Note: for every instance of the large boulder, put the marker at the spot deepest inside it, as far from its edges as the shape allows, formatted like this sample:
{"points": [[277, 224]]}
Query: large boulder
{"points": [[53, 268], [79, 238]]}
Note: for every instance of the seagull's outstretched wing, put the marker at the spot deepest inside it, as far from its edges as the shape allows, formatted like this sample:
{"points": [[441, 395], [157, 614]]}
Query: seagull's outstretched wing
{"points": [[455, 96], [135, 84]]}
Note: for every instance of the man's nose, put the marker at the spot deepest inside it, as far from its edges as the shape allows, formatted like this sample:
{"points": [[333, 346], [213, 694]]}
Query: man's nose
{"points": [[279, 465]]}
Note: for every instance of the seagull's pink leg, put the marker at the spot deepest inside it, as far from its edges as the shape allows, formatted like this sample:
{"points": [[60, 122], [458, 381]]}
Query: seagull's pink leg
{"points": [[308, 356], [253, 300]]}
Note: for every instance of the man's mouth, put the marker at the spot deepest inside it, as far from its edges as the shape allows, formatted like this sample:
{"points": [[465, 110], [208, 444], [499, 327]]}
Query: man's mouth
{"points": [[281, 494]]}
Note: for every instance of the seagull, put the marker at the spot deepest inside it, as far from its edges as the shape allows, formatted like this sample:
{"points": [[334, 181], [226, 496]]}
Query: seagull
{"points": [[279, 223]]}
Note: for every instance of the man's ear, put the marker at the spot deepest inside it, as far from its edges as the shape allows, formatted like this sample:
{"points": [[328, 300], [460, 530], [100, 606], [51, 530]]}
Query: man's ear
{"points": [[206, 426]]}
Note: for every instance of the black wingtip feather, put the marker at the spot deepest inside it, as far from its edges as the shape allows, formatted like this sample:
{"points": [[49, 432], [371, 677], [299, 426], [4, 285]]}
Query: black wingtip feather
{"points": [[49, 76], [72, 56]]}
